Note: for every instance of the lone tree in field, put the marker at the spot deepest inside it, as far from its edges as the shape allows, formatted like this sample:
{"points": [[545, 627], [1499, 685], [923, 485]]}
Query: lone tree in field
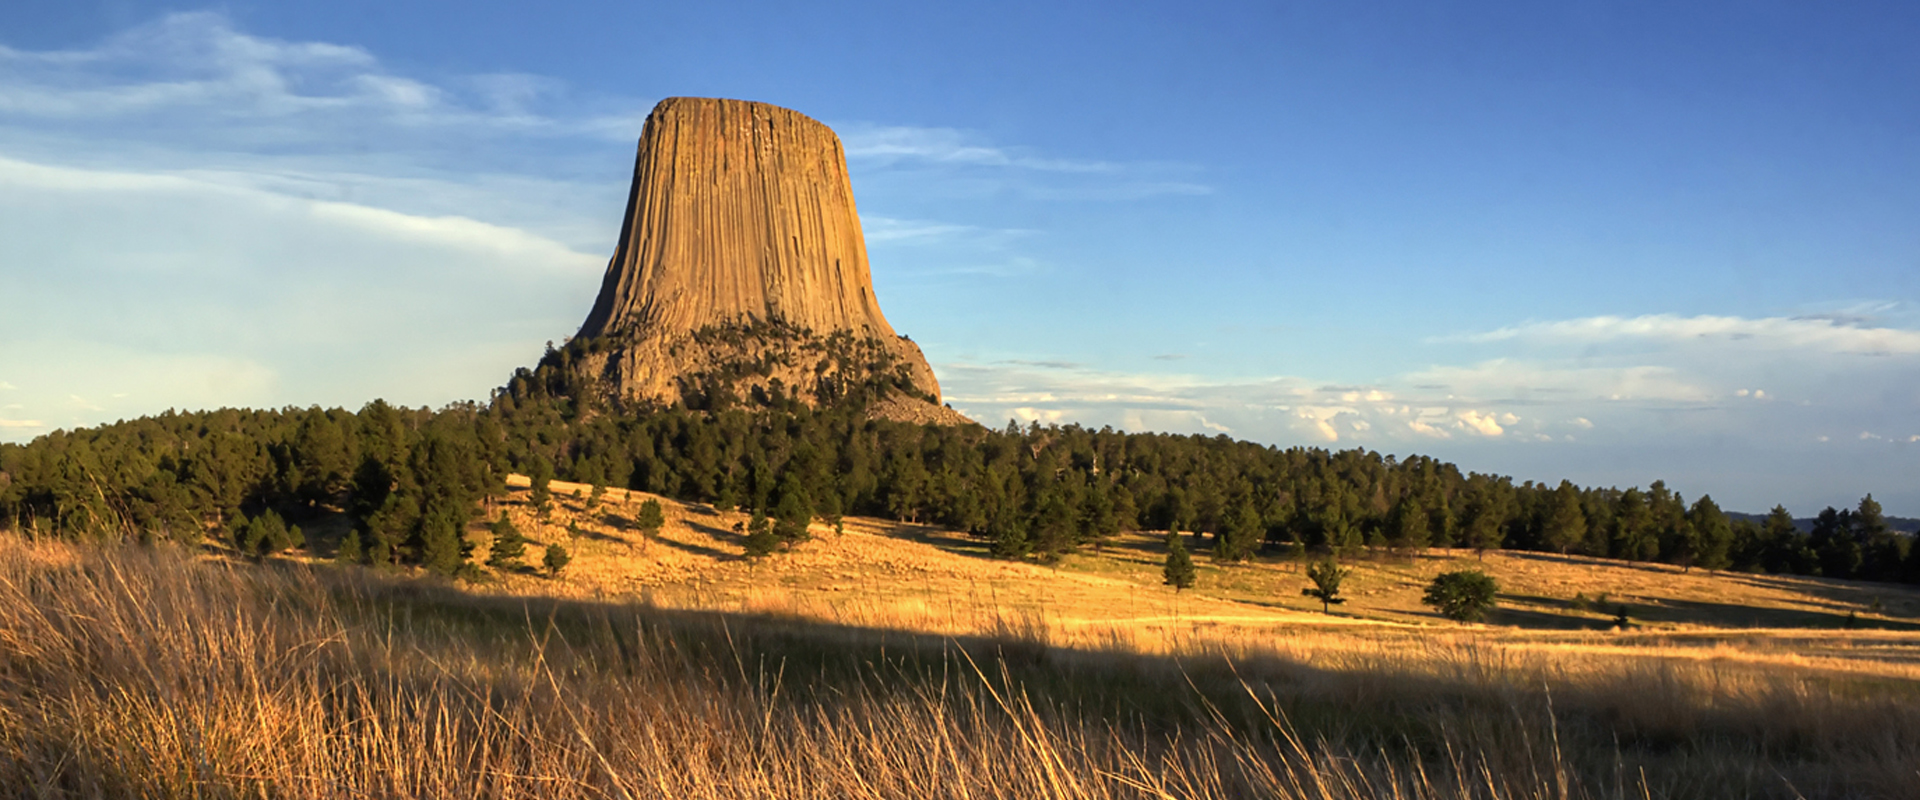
{"points": [[761, 540], [1463, 595], [556, 560], [649, 518], [1326, 576], [1179, 569], [508, 545]]}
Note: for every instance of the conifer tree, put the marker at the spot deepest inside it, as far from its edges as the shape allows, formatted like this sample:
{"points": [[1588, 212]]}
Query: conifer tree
{"points": [[351, 550], [1488, 528], [1240, 535], [1179, 571], [509, 546], [791, 516], [761, 540], [831, 513], [540, 496], [240, 533], [442, 548], [1463, 595], [1712, 534], [1327, 577], [556, 559], [649, 518], [1566, 523], [1407, 526], [1009, 533], [1633, 537]]}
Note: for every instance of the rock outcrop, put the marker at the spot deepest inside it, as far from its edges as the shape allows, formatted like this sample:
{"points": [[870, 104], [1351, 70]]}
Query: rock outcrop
{"points": [[741, 272]]}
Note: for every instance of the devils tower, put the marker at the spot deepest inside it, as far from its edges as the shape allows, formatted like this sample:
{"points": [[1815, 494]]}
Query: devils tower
{"points": [[741, 273]]}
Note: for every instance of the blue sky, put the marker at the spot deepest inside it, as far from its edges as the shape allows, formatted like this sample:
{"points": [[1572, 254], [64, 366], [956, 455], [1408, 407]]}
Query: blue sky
{"points": [[1607, 242]]}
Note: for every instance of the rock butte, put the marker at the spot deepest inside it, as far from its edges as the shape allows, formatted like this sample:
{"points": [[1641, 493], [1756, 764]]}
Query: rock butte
{"points": [[741, 259]]}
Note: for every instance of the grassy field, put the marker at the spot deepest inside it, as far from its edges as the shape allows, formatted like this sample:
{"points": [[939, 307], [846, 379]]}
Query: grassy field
{"points": [[884, 574], [899, 661]]}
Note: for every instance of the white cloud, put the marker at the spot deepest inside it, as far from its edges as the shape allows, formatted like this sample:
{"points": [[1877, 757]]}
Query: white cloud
{"points": [[197, 63], [1476, 422], [519, 247], [1531, 381], [135, 292], [1661, 411], [886, 229], [959, 159], [892, 144], [1275, 409], [1770, 333]]}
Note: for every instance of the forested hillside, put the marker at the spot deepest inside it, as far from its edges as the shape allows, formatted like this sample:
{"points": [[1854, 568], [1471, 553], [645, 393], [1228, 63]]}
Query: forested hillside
{"points": [[412, 480]]}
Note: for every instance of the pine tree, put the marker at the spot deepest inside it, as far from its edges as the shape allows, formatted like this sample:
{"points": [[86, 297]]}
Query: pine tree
{"points": [[508, 545], [1241, 535], [1489, 509], [556, 559], [540, 496], [1463, 595], [1633, 537], [1566, 522], [351, 551], [791, 516], [1407, 526], [1326, 576], [442, 548], [761, 540], [1712, 534], [1179, 570], [1009, 533], [1883, 552], [831, 514], [242, 534], [649, 518]]}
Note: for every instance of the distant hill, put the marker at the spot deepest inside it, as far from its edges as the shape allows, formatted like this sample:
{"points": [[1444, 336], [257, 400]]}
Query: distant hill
{"points": [[1805, 524]]}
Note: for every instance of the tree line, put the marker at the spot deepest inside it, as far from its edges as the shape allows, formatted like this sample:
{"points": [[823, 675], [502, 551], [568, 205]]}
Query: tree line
{"points": [[414, 480]]}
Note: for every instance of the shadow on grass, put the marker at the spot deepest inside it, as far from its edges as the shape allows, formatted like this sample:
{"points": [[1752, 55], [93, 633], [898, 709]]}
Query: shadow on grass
{"points": [[716, 532]]}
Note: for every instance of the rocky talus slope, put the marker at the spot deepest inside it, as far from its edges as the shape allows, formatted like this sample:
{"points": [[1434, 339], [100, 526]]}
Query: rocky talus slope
{"points": [[742, 271]]}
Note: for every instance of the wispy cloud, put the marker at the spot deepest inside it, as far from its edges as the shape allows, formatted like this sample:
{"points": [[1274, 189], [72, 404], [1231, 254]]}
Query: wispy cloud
{"points": [[882, 230], [972, 165], [904, 144], [196, 63], [1270, 409], [1833, 334]]}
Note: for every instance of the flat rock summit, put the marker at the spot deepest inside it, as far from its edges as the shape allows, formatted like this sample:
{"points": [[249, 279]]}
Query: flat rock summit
{"points": [[741, 274]]}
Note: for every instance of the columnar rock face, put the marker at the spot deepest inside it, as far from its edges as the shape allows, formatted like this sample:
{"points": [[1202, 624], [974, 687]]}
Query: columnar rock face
{"points": [[741, 257]]}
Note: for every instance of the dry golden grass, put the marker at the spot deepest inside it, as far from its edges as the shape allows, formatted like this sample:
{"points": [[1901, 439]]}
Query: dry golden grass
{"points": [[882, 574], [131, 672]]}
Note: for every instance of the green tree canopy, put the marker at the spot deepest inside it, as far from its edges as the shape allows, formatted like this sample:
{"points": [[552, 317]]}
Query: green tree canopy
{"points": [[1179, 570], [1326, 576], [1463, 595]]}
